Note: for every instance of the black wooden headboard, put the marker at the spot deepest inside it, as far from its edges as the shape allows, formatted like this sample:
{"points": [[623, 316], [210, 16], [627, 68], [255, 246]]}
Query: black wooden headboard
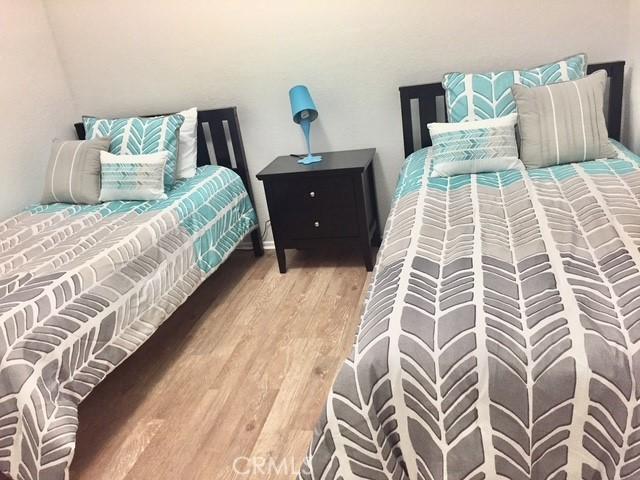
{"points": [[431, 106], [223, 128]]}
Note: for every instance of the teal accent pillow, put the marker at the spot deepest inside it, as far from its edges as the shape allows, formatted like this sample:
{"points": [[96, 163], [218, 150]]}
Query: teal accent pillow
{"points": [[140, 136], [480, 96]]}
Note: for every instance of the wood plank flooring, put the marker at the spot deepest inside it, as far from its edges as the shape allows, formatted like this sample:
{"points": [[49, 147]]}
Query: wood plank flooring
{"points": [[237, 377]]}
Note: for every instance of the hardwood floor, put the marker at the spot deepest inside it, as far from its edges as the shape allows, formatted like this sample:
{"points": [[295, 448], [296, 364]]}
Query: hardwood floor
{"points": [[237, 377]]}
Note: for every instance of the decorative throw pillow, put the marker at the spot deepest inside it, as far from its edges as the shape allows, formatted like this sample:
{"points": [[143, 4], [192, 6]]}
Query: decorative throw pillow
{"points": [[133, 177], [188, 149], [474, 147], [563, 123], [478, 96], [137, 136], [73, 174]]}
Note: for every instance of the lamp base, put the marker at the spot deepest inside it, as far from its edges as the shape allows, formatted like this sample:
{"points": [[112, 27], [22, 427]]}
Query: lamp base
{"points": [[309, 159]]}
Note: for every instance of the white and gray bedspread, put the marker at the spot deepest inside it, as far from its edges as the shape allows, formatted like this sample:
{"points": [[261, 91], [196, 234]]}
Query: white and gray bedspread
{"points": [[82, 287], [501, 333]]}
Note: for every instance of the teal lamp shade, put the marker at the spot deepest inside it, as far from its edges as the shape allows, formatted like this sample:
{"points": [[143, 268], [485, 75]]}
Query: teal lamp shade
{"points": [[304, 112]]}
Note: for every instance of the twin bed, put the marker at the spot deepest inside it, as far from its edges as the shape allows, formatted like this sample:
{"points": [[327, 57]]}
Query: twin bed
{"points": [[501, 333], [82, 287]]}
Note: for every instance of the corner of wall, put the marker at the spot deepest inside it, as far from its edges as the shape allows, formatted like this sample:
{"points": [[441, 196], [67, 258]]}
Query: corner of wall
{"points": [[59, 61], [36, 91]]}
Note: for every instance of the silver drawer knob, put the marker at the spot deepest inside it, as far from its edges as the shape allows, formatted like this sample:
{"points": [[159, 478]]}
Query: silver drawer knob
{"points": [[312, 194], [316, 224]]}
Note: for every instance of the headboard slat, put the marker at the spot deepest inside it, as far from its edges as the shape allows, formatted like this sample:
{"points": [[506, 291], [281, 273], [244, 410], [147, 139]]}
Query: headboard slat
{"points": [[615, 71], [237, 143], [427, 96], [203, 151], [220, 146], [426, 111]]}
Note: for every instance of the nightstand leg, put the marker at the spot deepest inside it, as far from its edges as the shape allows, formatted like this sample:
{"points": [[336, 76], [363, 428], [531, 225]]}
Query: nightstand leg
{"points": [[282, 260]]}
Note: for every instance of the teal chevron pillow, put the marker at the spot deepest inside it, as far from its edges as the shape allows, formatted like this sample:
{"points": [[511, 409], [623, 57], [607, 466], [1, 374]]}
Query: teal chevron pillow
{"points": [[479, 96], [140, 136], [474, 147]]}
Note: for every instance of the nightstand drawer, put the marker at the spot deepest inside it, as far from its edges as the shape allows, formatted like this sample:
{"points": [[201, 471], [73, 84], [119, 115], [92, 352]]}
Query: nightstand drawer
{"points": [[319, 223], [305, 194]]}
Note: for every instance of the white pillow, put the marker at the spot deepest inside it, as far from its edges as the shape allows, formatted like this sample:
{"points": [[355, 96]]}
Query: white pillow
{"points": [[132, 177], [188, 144], [474, 147]]}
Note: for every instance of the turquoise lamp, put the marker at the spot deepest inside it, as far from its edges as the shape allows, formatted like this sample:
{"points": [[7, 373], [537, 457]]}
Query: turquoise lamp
{"points": [[304, 112]]}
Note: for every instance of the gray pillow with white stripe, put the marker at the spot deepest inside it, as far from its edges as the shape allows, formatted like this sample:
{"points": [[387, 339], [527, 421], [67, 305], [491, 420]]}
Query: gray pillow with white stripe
{"points": [[73, 174], [563, 123]]}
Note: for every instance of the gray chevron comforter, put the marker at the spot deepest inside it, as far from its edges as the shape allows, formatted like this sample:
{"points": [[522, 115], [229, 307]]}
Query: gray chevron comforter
{"points": [[501, 333], [82, 287]]}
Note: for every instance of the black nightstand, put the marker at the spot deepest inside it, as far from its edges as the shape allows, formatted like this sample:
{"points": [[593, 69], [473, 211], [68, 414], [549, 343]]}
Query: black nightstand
{"points": [[330, 202]]}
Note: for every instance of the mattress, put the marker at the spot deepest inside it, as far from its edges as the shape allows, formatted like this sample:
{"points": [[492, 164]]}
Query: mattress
{"points": [[82, 287], [501, 332]]}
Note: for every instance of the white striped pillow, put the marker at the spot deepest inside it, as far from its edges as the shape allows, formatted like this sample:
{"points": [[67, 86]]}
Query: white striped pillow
{"points": [[474, 147], [133, 177]]}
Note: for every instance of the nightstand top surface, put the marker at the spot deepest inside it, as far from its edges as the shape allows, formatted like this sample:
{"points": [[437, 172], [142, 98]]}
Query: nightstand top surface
{"points": [[346, 160]]}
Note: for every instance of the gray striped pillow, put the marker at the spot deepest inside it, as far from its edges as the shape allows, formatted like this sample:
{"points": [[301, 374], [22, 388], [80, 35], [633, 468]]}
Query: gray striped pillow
{"points": [[73, 174], [563, 123]]}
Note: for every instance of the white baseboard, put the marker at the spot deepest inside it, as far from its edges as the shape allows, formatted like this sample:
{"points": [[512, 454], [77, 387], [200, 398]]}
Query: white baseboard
{"points": [[246, 245]]}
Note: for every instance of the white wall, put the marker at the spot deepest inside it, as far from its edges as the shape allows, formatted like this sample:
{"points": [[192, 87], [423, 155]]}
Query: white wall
{"points": [[127, 57], [632, 91], [35, 100]]}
